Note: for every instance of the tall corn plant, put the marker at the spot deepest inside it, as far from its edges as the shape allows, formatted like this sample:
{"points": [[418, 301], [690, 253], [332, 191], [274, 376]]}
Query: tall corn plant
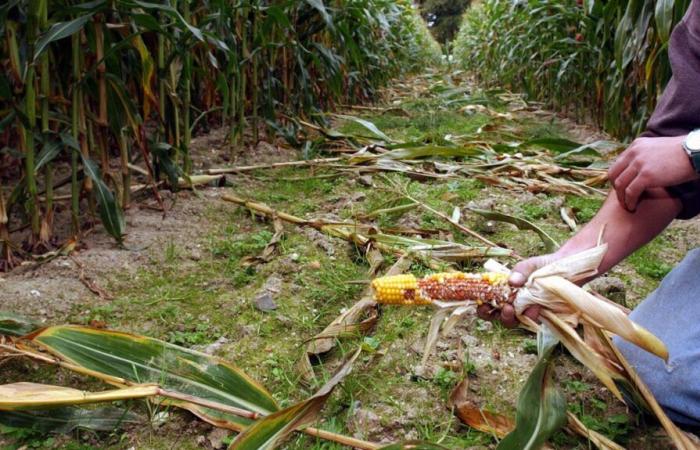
{"points": [[597, 59], [86, 87]]}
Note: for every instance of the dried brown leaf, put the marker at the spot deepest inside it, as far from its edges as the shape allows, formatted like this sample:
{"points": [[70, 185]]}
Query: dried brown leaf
{"points": [[470, 413]]}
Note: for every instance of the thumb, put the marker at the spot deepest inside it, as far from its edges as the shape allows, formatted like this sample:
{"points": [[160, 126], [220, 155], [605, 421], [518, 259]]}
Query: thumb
{"points": [[522, 271]]}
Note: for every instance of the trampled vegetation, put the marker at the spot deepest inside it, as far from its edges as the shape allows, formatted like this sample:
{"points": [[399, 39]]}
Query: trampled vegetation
{"points": [[272, 160]]}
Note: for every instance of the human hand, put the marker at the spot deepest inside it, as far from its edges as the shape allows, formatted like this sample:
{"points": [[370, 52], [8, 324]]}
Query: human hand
{"points": [[518, 276], [649, 163]]}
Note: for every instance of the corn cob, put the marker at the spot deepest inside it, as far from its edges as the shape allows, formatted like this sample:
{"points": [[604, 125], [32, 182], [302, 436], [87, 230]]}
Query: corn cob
{"points": [[480, 288]]}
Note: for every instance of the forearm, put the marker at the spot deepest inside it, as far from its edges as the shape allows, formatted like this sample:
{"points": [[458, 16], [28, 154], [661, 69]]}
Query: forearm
{"points": [[625, 231]]}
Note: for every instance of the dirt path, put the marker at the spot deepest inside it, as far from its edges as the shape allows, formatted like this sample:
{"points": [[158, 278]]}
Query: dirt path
{"points": [[181, 279]]}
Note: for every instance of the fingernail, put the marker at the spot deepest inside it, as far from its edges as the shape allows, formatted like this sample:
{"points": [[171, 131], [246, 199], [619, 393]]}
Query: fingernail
{"points": [[517, 279]]}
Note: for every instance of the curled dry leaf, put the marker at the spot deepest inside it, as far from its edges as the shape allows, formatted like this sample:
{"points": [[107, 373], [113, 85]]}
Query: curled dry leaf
{"points": [[472, 414]]}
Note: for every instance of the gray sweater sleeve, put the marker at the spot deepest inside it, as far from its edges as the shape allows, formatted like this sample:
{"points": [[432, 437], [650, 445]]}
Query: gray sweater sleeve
{"points": [[678, 110]]}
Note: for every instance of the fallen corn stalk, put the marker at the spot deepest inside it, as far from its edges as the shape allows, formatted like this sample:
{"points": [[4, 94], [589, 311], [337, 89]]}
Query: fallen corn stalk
{"points": [[433, 253]]}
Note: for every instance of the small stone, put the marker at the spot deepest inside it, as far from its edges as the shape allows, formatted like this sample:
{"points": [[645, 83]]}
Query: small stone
{"points": [[286, 266], [363, 423], [195, 255], [284, 320], [320, 239], [215, 346], [470, 341], [366, 180], [217, 436], [612, 288], [488, 227], [484, 325], [35, 293], [294, 256], [246, 330], [265, 302], [315, 265], [272, 285]]}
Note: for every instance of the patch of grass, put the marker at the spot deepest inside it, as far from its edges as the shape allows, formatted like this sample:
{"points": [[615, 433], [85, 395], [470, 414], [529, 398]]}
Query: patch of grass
{"points": [[529, 346], [427, 122], [236, 246], [535, 211], [576, 386], [445, 379], [584, 207], [616, 426], [648, 260]]}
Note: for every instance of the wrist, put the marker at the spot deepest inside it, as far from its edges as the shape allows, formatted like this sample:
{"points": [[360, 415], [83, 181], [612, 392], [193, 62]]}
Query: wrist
{"points": [[691, 146]]}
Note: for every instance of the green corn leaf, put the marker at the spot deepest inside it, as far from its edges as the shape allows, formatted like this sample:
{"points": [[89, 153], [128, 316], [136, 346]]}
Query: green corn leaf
{"points": [[140, 359], [110, 211], [48, 152], [368, 125], [592, 149], [67, 419], [557, 145], [59, 31], [196, 32], [121, 107], [541, 406], [268, 432], [14, 325], [550, 244], [321, 8], [663, 16], [162, 151]]}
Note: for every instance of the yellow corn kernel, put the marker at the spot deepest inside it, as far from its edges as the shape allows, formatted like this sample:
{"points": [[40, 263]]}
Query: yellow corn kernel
{"points": [[398, 290], [489, 287]]}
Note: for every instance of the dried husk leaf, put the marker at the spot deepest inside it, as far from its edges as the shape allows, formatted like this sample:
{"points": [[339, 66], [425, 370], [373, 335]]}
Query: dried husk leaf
{"points": [[24, 395], [600, 441], [552, 286], [470, 413], [604, 315], [582, 351]]}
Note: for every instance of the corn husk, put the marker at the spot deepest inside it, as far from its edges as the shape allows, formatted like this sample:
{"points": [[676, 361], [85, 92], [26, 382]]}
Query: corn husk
{"points": [[553, 288]]}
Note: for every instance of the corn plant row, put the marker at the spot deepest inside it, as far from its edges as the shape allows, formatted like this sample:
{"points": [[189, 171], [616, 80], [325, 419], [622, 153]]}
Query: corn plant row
{"points": [[595, 59], [89, 90]]}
